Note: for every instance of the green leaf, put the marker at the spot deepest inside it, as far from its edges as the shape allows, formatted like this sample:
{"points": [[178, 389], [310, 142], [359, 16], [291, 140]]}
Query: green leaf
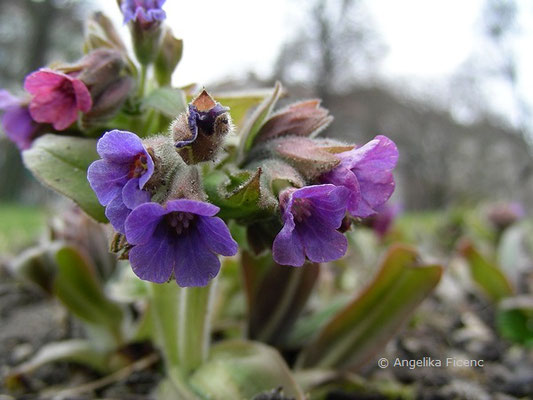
{"points": [[78, 288], [515, 319], [361, 328], [238, 195], [240, 370], [240, 104], [61, 163], [36, 266], [168, 101], [253, 124], [486, 274], [75, 350]]}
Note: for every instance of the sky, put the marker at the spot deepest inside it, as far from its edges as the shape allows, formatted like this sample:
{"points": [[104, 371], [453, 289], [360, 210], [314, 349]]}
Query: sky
{"points": [[426, 40]]}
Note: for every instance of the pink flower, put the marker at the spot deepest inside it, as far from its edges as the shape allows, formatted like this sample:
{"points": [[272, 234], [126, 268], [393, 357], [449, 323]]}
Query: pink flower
{"points": [[57, 97]]}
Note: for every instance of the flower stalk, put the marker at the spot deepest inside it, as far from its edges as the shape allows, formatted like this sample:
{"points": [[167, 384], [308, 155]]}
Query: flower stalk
{"points": [[194, 325], [164, 308]]}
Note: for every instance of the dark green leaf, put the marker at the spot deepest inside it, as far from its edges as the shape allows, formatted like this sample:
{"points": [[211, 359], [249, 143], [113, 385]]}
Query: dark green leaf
{"points": [[515, 319], [61, 163]]}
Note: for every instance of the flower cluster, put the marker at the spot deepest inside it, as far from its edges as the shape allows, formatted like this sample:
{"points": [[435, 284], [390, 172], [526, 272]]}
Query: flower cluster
{"points": [[94, 87], [170, 195], [312, 216]]}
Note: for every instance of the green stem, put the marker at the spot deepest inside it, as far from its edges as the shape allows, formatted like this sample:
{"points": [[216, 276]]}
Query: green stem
{"points": [[142, 80], [194, 325], [165, 299]]}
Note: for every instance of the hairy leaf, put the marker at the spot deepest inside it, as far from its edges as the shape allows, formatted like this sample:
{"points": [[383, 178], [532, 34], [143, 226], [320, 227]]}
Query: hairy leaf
{"points": [[240, 370], [253, 124], [61, 163], [78, 288], [168, 101]]}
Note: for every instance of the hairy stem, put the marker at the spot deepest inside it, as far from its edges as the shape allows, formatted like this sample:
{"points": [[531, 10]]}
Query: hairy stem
{"points": [[194, 325]]}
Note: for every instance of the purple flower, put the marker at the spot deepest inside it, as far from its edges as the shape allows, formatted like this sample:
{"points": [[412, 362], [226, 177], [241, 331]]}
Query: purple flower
{"points": [[144, 11], [183, 237], [311, 217], [383, 220], [367, 173], [17, 123], [57, 97], [204, 120], [503, 215], [119, 177]]}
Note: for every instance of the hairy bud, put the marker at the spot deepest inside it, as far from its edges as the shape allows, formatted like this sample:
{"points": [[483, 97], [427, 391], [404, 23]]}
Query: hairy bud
{"points": [[102, 33], [168, 57], [200, 132]]}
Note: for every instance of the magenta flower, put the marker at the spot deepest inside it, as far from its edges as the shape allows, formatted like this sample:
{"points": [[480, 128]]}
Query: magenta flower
{"points": [[119, 177], [57, 97], [183, 238], [144, 11], [367, 173], [17, 123], [311, 217]]}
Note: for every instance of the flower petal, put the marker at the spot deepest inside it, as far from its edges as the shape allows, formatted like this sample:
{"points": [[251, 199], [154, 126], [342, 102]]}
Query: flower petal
{"points": [[196, 265], [43, 81], [120, 146], [321, 245], [54, 107], [192, 206], [145, 177], [107, 179], [132, 196], [142, 222], [216, 236], [287, 248], [379, 154], [7, 100], [342, 176], [117, 213], [155, 260], [84, 101], [19, 126], [330, 208]]}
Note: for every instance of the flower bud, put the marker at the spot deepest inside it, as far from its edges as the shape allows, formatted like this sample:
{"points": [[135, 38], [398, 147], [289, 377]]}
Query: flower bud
{"points": [[305, 118], [200, 132], [99, 69], [311, 157], [145, 18], [167, 163], [168, 57], [109, 102], [102, 33]]}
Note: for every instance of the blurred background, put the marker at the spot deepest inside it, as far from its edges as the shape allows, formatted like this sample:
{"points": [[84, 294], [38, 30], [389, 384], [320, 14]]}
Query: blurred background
{"points": [[448, 81]]}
